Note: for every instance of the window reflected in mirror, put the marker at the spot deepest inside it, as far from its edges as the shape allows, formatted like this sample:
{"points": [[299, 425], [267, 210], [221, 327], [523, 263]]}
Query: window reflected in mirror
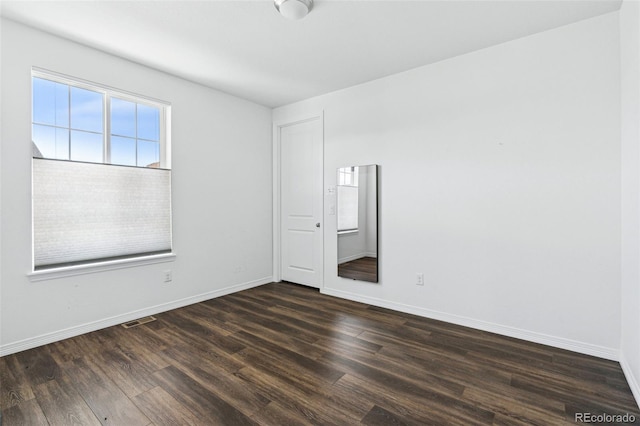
{"points": [[357, 222]]}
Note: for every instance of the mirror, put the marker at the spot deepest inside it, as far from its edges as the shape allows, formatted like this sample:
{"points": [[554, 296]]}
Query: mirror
{"points": [[357, 219]]}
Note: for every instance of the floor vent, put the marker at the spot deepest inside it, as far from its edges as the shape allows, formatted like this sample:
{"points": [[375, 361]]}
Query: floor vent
{"points": [[138, 322]]}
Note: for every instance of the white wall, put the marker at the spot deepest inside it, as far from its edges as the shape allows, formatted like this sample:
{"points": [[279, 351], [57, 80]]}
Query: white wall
{"points": [[630, 60], [221, 198], [500, 181]]}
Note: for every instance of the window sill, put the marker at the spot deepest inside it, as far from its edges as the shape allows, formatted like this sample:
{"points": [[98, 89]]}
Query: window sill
{"points": [[90, 268]]}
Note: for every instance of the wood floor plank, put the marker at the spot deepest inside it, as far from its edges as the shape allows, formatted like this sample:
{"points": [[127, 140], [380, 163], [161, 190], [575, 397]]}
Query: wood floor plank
{"points": [[141, 344], [463, 372], [106, 399], [214, 318], [62, 405], [416, 346], [587, 399], [475, 376], [304, 381], [300, 363], [279, 337], [199, 349], [413, 408], [253, 312], [378, 416], [222, 383], [202, 402], [443, 398], [363, 269], [38, 366], [346, 344], [316, 407], [514, 409], [397, 377], [313, 310], [275, 414], [124, 369], [164, 410], [12, 390], [187, 322], [286, 354], [27, 413]]}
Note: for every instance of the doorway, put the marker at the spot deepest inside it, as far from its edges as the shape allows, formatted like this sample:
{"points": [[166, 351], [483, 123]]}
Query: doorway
{"points": [[298, 201]]}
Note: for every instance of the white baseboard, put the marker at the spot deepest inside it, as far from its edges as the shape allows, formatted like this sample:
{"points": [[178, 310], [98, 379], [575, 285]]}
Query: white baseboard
{"points": [[356, 257], [55, 336], [558, 342], [633, 381], [350, 258]]}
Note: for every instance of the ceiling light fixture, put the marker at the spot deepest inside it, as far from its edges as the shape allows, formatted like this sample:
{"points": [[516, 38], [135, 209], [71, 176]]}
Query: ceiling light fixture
{"points": [[293, 9]]}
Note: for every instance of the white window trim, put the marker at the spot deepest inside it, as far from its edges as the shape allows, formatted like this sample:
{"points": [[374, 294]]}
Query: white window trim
{"points": [[91, 268]]}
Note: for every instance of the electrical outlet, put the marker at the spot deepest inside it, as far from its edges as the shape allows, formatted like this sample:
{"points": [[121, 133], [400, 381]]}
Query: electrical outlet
{"points": [[168, 276], [419, 278]]}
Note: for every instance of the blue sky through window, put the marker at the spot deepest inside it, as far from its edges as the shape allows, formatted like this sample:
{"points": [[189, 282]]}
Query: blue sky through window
{"points": [[123, 151], [148, 153], [148, 123], [86, 110], [50, 103], [68, 124], [123, 118], [135, 133]]}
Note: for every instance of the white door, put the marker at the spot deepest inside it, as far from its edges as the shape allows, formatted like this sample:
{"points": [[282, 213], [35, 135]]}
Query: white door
{"points": [[301, 202]]}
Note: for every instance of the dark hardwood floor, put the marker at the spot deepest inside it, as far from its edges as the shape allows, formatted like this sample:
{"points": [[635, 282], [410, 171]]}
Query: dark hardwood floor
{"points": [[363, 269], [283, 354]]}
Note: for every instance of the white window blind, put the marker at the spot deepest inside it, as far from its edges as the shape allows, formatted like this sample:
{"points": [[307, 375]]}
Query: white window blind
{"points": [[88, 212], [347, 208]]}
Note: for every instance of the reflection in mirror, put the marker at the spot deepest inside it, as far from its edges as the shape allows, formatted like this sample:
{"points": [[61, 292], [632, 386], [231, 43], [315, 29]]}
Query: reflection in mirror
{"points": [[357, 219]]}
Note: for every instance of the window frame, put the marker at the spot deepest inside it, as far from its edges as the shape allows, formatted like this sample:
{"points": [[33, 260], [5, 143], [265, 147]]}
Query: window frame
{"points": [[354, 173], [108, 93], [164, 159]]}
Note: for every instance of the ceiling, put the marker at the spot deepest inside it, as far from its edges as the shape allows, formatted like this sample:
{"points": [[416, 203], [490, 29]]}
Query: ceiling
{"points": [[247, 49]]}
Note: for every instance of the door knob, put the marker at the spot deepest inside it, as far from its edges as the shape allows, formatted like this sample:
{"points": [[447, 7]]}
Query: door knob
{"points": [[318, 225]]}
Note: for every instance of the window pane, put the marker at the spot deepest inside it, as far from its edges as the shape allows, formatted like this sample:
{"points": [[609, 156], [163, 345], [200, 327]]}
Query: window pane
{"points": [[62, 144], [148, 154], [86, 110], [45, 139], [51, 142], [148, 123], [123, 151], [123, 118], [86, 146], [62, 105], [50, 102]]}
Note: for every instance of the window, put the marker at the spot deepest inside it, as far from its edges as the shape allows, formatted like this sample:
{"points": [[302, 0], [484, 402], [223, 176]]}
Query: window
{"points": [[347, 192], [101, 177], [135, 134], [70, 122], [348, 176]]}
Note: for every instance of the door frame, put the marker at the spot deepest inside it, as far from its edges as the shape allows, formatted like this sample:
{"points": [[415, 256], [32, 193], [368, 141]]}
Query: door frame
{"points": [[277, 199]]}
